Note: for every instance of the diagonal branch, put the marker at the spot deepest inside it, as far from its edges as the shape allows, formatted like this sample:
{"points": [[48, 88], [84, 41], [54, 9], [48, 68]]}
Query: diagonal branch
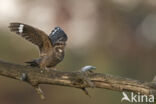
{"points": [[74, 79]]}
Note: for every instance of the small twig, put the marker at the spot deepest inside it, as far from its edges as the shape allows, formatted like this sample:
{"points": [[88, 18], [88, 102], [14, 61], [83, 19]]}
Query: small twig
{"points": [[86, 92], [40, 92]]}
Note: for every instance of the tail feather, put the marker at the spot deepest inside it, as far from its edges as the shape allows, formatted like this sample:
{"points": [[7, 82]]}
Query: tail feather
{"points": [[32, 63]]}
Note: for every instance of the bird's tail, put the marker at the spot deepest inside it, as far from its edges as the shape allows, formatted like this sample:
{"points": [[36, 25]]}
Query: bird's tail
{"points": [[32, 63]]}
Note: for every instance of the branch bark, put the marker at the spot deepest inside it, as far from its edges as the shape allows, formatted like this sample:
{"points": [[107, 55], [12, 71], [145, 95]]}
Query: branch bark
{"points": [[74, 79]]}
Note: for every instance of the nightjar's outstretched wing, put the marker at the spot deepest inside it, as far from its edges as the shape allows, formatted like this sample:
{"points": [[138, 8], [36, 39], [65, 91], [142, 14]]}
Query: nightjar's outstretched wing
{"points": [[33, 35], [58, 36]]}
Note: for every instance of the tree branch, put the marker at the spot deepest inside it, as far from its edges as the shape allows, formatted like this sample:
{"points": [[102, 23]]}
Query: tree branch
{"points": [[34, 77]]}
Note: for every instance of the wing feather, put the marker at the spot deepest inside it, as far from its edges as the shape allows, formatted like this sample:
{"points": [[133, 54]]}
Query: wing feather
{"points": [[34, 35]]}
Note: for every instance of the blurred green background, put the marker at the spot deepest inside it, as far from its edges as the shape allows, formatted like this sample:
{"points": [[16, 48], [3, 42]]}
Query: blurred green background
{"points": [[116, 36]]}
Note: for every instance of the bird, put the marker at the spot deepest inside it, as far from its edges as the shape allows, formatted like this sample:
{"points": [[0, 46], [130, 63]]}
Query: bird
{"points": [[51, 47]]}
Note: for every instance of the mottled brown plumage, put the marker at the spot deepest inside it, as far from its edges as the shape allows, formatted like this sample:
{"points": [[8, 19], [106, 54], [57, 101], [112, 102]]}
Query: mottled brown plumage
{"points": [[51, 47]]}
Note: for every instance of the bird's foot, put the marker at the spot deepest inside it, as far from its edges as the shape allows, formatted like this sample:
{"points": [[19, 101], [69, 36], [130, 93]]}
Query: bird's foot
{"points": [[85, 71], [44, 69], [47, 69]]}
